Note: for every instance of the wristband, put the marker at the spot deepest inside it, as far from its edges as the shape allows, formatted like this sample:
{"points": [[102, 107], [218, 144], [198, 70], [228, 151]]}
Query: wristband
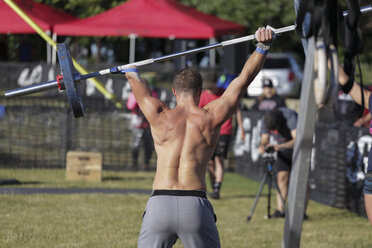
{"points": [[262, 48], [129, 70], [115, 70], [261, 51], [348, 86]]}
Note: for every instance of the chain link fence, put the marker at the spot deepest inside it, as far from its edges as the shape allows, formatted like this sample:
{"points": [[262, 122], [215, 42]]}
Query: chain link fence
{"points": [[37, 131]]}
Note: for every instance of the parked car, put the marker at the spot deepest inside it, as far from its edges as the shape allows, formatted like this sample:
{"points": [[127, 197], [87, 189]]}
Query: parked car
{"points": [[286, 72]]}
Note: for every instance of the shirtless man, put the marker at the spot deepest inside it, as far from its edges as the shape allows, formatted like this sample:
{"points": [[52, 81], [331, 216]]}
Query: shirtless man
{"points": [[185, 138]]}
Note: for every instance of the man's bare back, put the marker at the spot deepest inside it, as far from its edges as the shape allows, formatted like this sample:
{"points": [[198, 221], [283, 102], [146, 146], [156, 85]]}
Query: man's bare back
{"points": [[184, 141], [185, 137]]}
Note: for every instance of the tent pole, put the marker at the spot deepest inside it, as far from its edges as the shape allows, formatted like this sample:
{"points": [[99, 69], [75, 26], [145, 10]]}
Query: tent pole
{"points": [[48, 49], [212, 53], [54, 54], [99, 49], [183, 58], [132, 47]]}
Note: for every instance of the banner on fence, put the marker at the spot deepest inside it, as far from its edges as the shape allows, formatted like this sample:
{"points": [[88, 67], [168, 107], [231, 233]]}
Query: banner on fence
{"points": [[16, 75]]}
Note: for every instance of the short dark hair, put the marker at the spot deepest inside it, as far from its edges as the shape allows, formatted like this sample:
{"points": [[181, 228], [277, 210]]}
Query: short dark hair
{"points": [[273, 119], [187, 80]]}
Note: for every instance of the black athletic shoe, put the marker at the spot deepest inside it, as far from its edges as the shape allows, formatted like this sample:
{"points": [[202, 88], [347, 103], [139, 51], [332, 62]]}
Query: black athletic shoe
{"points": [[215, 195], [278, 214], [306, 217]]}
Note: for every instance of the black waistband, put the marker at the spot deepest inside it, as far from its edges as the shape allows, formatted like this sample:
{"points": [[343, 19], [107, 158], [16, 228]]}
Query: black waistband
{"points": [[198, 193]]}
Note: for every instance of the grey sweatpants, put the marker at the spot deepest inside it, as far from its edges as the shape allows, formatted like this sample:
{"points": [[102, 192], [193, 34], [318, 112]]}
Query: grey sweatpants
{"points": [[178, 214]]}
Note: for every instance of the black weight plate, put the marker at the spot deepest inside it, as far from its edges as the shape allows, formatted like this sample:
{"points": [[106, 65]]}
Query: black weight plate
{"points": [[68, 71]]}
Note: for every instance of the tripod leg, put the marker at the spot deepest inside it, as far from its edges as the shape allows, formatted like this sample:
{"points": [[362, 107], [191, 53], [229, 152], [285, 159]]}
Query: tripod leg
{"points": [[269, 182], [257, 197]]}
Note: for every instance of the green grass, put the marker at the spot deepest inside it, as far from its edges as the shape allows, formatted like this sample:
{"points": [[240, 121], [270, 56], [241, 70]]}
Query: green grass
{"points": [[111, 220]]}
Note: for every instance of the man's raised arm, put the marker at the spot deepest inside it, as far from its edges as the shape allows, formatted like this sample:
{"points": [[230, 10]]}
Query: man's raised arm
{"points": [[149, 105], [225, 106], [251, 68]]}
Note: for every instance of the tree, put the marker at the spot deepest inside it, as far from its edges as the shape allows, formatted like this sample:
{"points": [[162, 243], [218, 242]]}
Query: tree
{"points": [[254, 14], [82, 8]]}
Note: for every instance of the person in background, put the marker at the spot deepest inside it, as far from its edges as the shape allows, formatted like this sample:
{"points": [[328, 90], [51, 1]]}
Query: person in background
{"points": [[280, 124], [216, 167], [348, 111], [354, 90], [25, 49], [269, 99], [366, 118], [140, 127], [2, 111]]}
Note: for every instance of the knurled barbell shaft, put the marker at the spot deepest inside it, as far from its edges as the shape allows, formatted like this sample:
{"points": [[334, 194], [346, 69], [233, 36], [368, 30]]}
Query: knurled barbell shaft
{"points": [[197, 50], [54, 84], [32, 89]]}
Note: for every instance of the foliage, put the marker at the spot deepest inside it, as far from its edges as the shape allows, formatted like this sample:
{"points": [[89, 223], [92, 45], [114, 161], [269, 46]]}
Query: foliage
{"points": [[250, 13], [253, 14], [82, 8]]}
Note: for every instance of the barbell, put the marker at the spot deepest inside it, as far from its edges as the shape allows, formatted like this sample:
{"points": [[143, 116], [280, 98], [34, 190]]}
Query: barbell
{"points": [[69, 80]]}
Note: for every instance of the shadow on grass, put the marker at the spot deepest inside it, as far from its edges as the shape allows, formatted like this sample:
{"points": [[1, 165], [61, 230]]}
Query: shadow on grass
{"points": [[125, 178], [13, 181], [9, 181], [236, 196], [30, 183]]}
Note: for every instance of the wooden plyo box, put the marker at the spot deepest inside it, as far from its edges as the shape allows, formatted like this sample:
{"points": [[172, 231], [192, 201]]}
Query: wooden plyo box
{"points": [[84, 166]]}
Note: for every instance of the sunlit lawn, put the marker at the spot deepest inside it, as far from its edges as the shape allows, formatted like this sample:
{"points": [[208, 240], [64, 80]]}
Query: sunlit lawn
{"points": [[114, 220]]}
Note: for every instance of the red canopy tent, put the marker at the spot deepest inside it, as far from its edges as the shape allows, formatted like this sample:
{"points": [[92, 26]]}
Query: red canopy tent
{"points": [[44, 16], [151, 18]]}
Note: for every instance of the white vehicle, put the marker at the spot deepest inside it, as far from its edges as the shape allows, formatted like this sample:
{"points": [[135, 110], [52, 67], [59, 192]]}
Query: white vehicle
{"points": [[285, 73]]}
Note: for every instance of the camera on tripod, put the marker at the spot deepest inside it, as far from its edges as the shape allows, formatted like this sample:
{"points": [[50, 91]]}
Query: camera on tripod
{"points": [[269, 152], [269, 149], [269, 156]]}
